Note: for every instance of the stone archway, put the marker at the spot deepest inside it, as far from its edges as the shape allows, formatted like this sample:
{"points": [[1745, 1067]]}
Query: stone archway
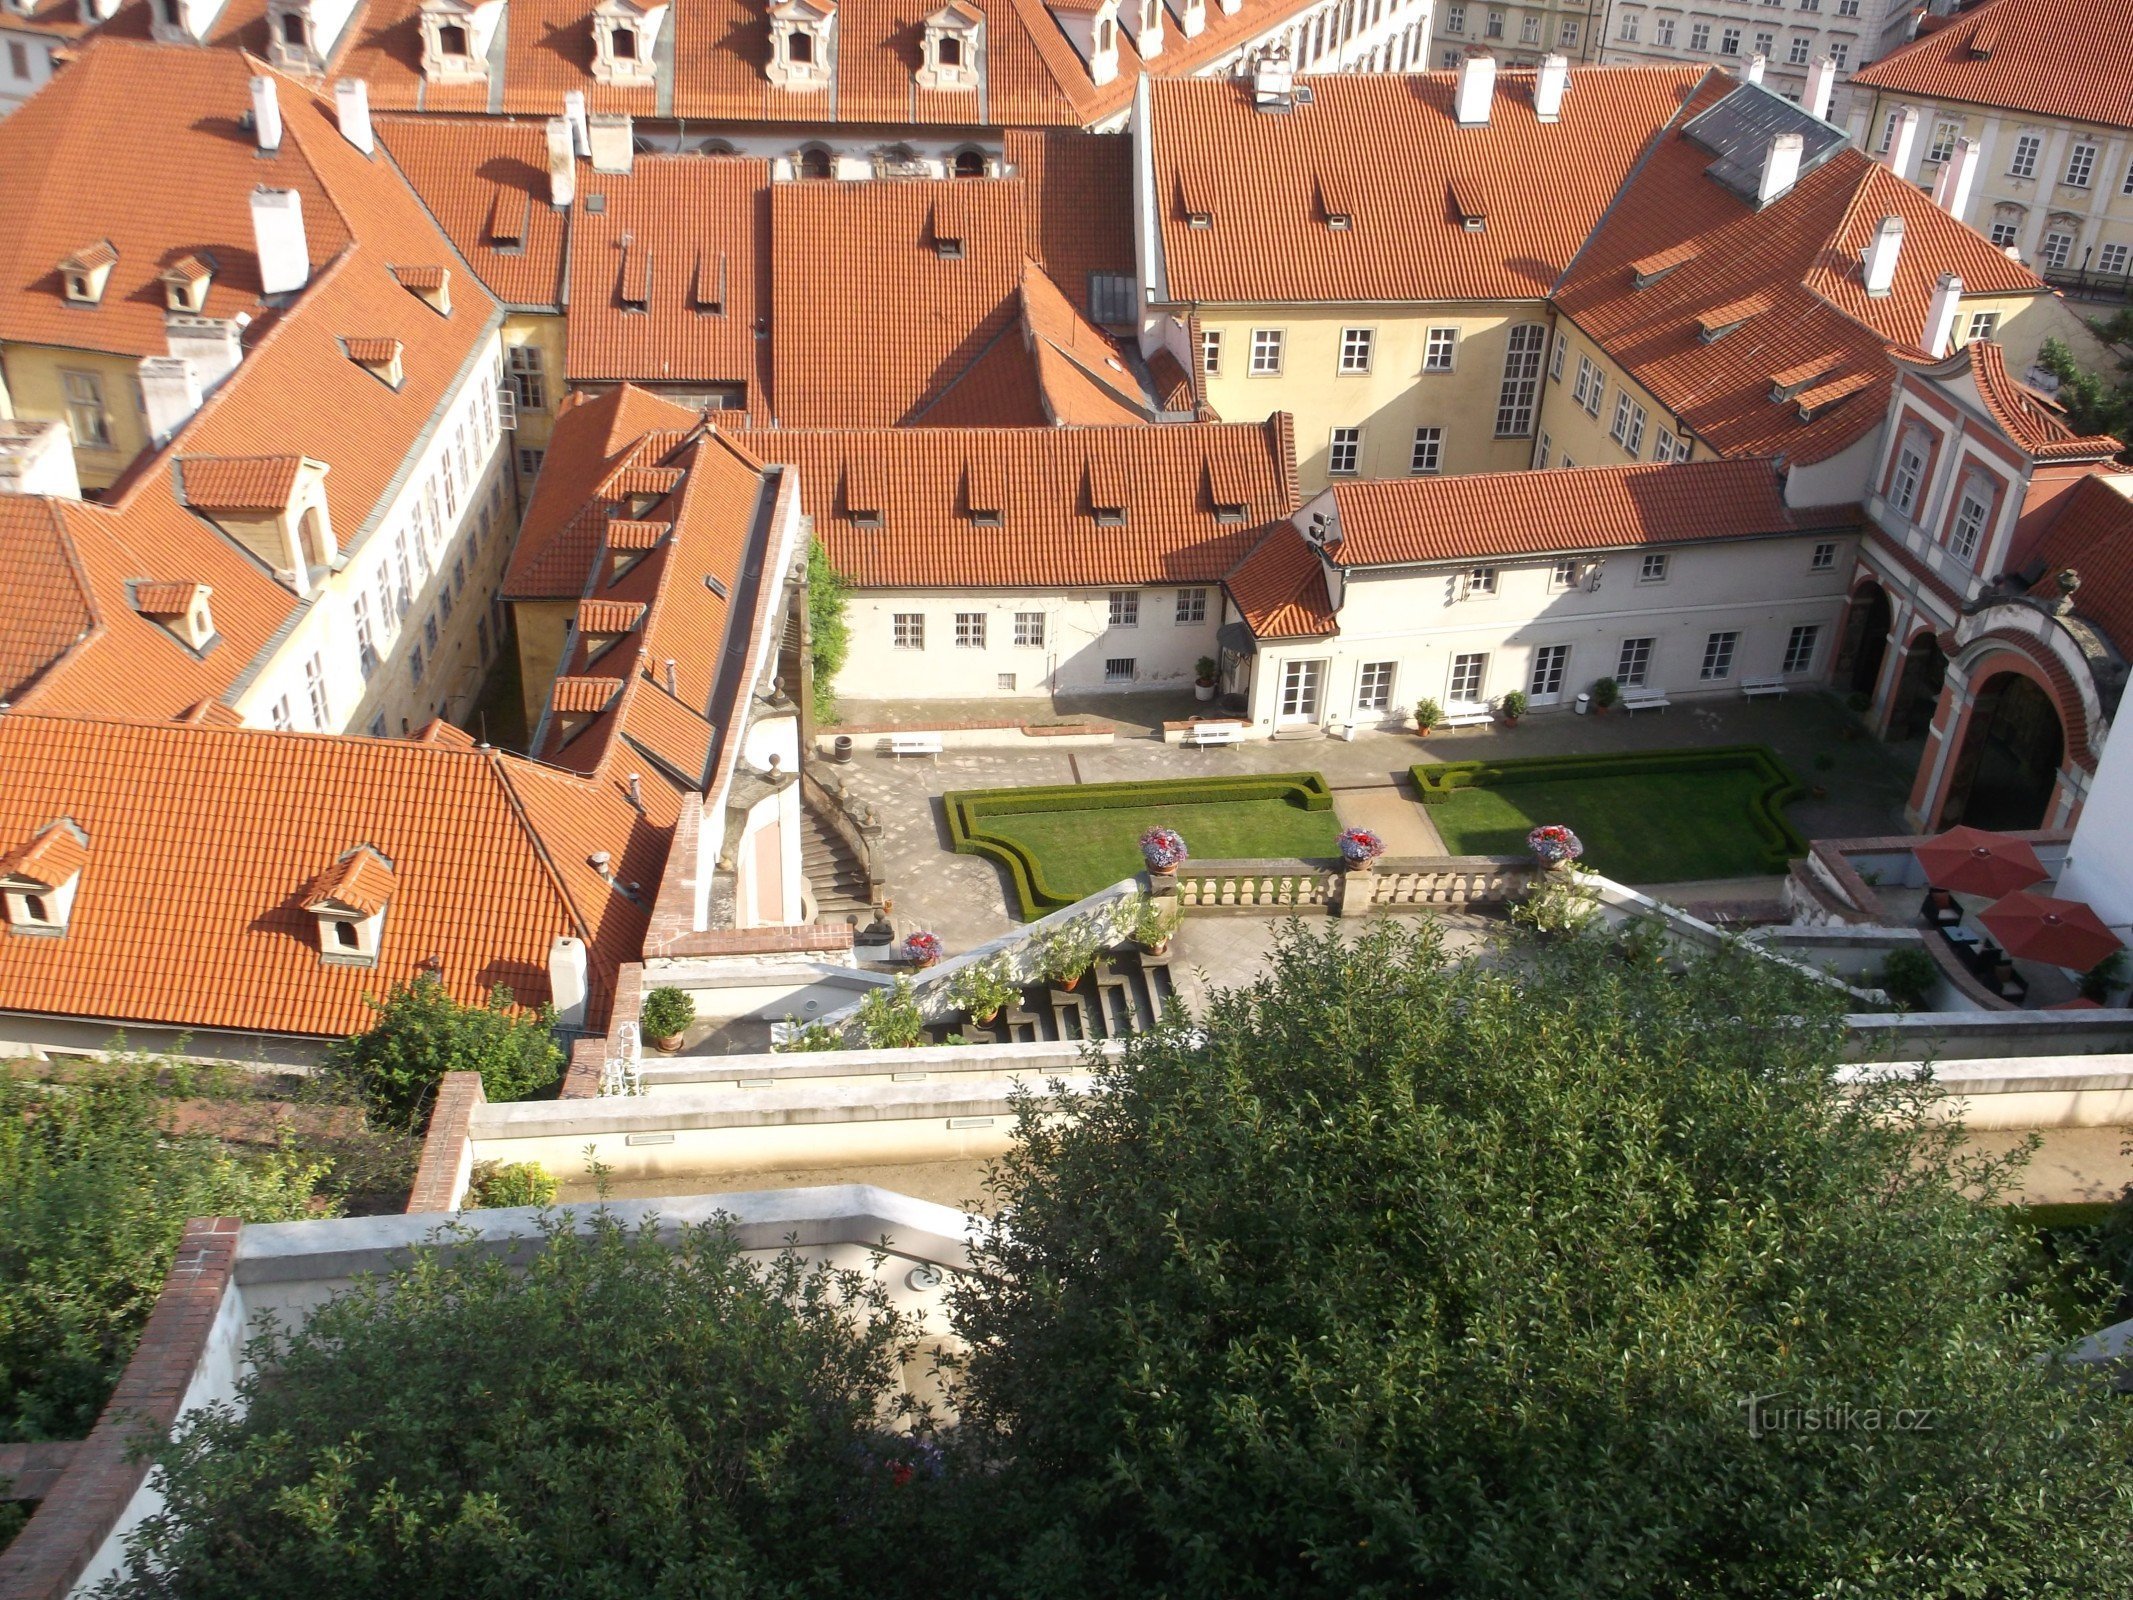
{"points": [[2007, 772], [1925, 669], [1866, 639]]}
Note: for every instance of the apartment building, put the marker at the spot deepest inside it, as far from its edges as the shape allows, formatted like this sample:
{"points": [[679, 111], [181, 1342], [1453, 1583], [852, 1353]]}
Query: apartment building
{"points": [[32, 35], [2018, 111], [1519, 32], [1779, 42]]}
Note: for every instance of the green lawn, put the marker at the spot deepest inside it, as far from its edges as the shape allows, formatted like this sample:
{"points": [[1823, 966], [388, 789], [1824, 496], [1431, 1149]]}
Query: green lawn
{"points": [[1081, 852], [1653, 827]]}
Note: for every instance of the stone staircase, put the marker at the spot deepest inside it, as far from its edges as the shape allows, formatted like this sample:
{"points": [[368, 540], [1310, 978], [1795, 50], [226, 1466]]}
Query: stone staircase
{"points": [[1125, 992], [839, 885]]}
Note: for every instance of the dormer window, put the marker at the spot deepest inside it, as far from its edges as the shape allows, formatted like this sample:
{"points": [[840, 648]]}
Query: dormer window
{"points": [[350, 900], [293, 32], [452, 40], [814, 162], [1715, 324], [800, 49], [180, 608], [863, 498], [275, 506], [431, 285], [185, 283], [295, 41], [802, 43], [603, 624], [625, 39], [623, 43], [950, 50], [948, 53], [629, 542], [39, 878], [577, 703], [456, 35], [378, 357], [84, 274]]}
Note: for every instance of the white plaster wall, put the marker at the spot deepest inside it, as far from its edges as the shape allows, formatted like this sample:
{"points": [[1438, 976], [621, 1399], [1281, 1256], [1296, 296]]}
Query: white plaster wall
{"points": [[2099, 862], [37, 65]]}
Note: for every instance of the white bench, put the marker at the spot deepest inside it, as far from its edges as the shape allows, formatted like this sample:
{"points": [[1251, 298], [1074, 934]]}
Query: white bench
{"points": [[1757, 688], [1466, 714], [1204, 734], [914, 744], [1644, 700]]}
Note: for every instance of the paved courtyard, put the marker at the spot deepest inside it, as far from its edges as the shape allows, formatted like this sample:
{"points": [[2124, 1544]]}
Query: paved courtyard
{"points": [[965, 898]]}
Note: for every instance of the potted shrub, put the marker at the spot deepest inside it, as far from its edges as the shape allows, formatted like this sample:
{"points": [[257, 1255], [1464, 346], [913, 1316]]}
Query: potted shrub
{"points": [[1163, 850], [1511, 707], [1427, 715], [984, 989], [1605, 693], [1068, 954], [922, 949], [666, 1017], [1554, 846], [889, 1019], [1360, 847], [1155, 919], [1204, 673]]}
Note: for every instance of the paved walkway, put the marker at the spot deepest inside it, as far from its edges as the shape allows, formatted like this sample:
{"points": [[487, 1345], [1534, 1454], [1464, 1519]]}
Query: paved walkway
{"points": [[1402, 823]]}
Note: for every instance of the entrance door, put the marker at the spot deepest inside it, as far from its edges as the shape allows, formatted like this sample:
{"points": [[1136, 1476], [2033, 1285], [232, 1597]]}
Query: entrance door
{"points": [[1301, 682], [1550, 662]]}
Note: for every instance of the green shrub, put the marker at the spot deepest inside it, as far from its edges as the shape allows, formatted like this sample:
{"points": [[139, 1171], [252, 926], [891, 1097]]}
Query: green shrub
{"points": [[984, 988], [807, 1036], [1428, 714], [2098, 982], [829, 634], [95, 1189], [1513, 705], [422, 1033], [889, 1019], [1068, 952], [1558, 902], [499, 1185], [1605, 692], [1153, 919], [666, 1012], [1907, 977]]}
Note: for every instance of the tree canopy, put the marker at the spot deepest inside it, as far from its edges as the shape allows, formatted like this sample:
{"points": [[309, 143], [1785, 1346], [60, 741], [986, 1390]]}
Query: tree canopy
{"points": [[2096, 402], [422, 1033]]}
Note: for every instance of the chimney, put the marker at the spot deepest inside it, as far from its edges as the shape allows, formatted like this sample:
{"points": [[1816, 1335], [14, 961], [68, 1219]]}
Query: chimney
{"points": [[1753, 71], [278, 233], [1273, 78], [673, 682], [1940, 315], [266, 115], [37, 458], [562, 164], [211, 346], [1951, 189], [612, 141], [170, 394], [351, 101], [1477, 89], [566, 979], [1781, 168], [574, 114], [1821, 84], [1906, 138], [637, 790], [1550, 84], [1881, 256]]}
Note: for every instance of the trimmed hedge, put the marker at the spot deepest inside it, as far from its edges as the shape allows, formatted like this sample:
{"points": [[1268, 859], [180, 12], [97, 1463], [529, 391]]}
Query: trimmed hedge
{"points": [[1781, 841], [967, 810]]}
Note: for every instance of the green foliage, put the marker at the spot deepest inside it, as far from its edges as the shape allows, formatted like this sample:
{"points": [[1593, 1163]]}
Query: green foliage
{"points": [[499, 1185], [422, 1033], [809, 1036], [95, 1189], [1151, 919], [1558, 902], [984, 988], [2108, 974], [1605, 692], [1205, 669], [1428, 714], [465, 1429], [1650, 816], [1512, 704], [1088, 845], [889, 1019], [829, 633], [1068, 952], [2095, 403], [666, 1012], [1907, 977], [1397, 1276]]}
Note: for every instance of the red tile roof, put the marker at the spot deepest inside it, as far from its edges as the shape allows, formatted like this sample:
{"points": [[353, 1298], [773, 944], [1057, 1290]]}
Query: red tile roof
{"points": [[2092, 534], [1257, 174], [1281, 588], [2054, 58], [591, 447], [165, 599], [48, 859], [49, 603], [480, 177], [238, 483], [2034, 421], [1406, 520], [362, 881]]}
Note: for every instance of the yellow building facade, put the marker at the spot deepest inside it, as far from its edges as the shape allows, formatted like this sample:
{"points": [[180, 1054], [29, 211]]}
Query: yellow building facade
{"points": [[96, 394]]}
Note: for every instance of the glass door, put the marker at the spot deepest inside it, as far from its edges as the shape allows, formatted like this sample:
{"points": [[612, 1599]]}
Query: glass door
{"points": [[1301, 682], [1550, 662]]}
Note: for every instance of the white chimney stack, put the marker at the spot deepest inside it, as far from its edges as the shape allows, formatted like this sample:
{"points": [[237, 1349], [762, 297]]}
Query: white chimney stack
{"points": [[211, 346], [1821, 84], [1273, 78], [351, 102], [1881, 256], [170, 394], [1781, 168], [562, 163], [566, 969], [278, 235], [1477, 90], [1753, 71], [574, 114], [613, 141], [266, 114], [1550, 84], [1951, 189], [1903, 141], [37, 458], [1940, 315]]}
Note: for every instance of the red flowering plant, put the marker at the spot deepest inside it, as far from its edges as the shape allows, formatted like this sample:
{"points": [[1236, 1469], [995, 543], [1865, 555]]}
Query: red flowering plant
{"points": [[1360, 845], [1163, 849], [923, 948], [1554, 845]]}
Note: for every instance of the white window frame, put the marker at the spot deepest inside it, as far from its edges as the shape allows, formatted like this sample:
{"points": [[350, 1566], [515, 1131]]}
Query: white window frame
{"points": [[2028, 147], [1425, 457], [1125, 608], [1029, 630], [1344, 452], [1973, 511], [1191, 607], [1469, 669], [1268, 347], [1655, 567], [1633, 661], [1517, 397], [970, 630], [1824, 557], [2080, 165], [1374, 681], [1358, 347], [907, 630], [1440, 350], [1720, 650], [1211, 352], [1800, 647]]}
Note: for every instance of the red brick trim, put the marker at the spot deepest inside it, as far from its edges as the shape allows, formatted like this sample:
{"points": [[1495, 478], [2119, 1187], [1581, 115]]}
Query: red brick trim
{"points": [[1035, 730], [92, 1493], [30, 1470], [588, 1057], [447, 1155]]}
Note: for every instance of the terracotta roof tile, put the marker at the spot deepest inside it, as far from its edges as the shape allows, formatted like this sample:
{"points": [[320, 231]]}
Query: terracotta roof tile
{"points": [[238, 483], [609, 616], [1281, 588], [90, 257], [1079, 206], [2091, 533], [372, 352], [485, 180], [583, 694], [2055, 58], [165, 599], [2035, 422], [426, 277], [49, 604], [361, 881], [49, 858], [624, 534]]}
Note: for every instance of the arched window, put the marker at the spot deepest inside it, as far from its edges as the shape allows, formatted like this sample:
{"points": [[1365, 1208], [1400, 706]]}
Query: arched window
{"points": [[800, 47], [718, 147], [814, 162], [452, 39], [970, 163]]}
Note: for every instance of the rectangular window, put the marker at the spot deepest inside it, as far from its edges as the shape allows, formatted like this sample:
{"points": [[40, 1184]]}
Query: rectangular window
{"points": [[1619, 429], [2027, 148], [1700, 37], [2080, 166], [1765, 43], [1211, 352], [1591, 386], [280, 715], [1944, 136], [1480, 580], [1111, 298], [414, 664], [1428, 452], [1718, 656], [2058, 247], [85, 409], [1521, 380], [1547, 446], [1529, 30], [1565, 575], [1663, 32], [1005, 682], [388, 614], [1627, 32], [1555, 361], [1192, 607], [1824, 558], [1118, 669], [1355, 349], [1797, 52], [529, 462], [2110, 261], [970, 630], [1983, 324], [1469, 672], [1903, 490], [1663, 450], [1889, 125], [1653, 569], [1545, 684], [366, 648], [1634, 663], [1125, 608], [1633, 441], [1029, 630], [315, 690], [18, 60], [1729, 42], [1969, 524], [907, 630], [2127, 186], [1495, 25], [1346, 447], [1266, 352], [1840, 55], [429, 631], [2003, 233], [1567, 35], [1800, 649], [1373, 688], [1455, 19], [1443, 345], [529, 379]]}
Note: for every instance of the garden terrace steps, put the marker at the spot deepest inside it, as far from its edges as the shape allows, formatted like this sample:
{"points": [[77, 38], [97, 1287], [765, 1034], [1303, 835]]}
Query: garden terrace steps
{"points": [[1123, 994], [838, 881]]}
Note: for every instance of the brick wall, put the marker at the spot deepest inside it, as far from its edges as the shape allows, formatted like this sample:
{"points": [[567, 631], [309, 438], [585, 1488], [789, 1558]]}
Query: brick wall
{"points": [[447, 1153], [84, 1505]]}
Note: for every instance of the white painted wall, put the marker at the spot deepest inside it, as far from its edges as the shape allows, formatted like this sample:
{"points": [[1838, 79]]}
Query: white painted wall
{"points": [[2099, 862], [26, 64]]}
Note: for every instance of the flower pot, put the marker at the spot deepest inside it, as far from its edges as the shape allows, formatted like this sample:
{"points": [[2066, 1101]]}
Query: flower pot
{"points": [[1203, 691], [1163, 874], [986, 1020], [1071, 984], [1160, 948], [670, 1044], [1422, 732]]}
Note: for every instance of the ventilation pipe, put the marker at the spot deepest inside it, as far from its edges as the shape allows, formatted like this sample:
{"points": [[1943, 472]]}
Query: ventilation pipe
{"points": [[1550, 84], [278, 234], [351, 102], [1881, 257], [1477, 90], [1951, 189], [1821, 85], [1781, 168], [266, 115], [562, 164], [1940, 315]]}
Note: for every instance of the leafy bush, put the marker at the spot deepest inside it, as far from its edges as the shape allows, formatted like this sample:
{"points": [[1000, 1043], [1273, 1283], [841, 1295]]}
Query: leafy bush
{"points": [[1558, 902], [1205, 669], [803, 1037], [2108, 974], [1605, 692], [1907, 977], [617, 1415], [1513, 705], [422, 1033], [95, 1189], [1428, 714], [829, 633], [666, 1012], [984, 988], [889, 1019], [499, 1185], [1152, 919], [1069, 952]]}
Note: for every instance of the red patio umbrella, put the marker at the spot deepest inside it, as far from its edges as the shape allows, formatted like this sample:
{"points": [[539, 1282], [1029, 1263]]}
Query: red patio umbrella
{"points": [[1972, 861], [2060, 933]]}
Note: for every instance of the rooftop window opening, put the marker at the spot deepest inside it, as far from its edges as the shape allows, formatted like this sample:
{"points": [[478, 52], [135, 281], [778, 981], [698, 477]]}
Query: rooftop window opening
{"points": [[452, 39], [814, 162], [800, 47], [292, 29]]}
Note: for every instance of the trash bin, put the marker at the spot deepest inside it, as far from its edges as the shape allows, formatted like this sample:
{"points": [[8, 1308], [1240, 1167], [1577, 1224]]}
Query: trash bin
{"points": [[1584, 705], [843, 746]]}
